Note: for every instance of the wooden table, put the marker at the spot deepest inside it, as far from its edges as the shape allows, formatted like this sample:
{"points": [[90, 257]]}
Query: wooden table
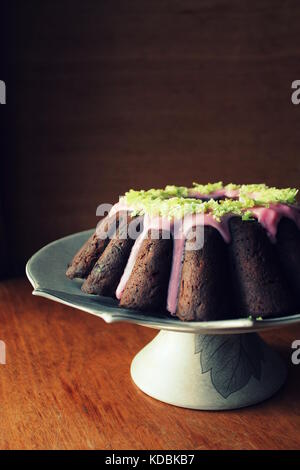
{"points": [[66, 385]]}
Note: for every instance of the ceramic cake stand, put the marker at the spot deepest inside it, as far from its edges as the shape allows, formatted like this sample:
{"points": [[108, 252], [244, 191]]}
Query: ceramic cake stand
{"points": [[202, 365]]}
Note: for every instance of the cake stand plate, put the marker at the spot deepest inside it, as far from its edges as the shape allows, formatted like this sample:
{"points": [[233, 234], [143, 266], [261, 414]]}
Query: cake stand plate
{"points": [[214, 365]]}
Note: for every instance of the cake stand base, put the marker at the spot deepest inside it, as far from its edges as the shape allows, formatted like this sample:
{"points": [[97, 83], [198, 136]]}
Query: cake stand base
{"points": [[208, 372]]}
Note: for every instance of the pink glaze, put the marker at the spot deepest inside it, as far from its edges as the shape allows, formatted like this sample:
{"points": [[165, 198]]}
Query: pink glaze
{"points": [[269, 217], [119, 206], [131, 260], [175, 276], [219, 193], [232, 193], [180, 233]]}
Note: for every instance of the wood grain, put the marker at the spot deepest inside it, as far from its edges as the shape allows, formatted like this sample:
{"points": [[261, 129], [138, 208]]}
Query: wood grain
{"points": [[66, 385], [113, 95]]}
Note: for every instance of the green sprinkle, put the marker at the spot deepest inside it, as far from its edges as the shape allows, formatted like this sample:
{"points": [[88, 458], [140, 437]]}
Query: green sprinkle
{"points": [[180, 191], [207, 188], [177, 201], [263, 195]]}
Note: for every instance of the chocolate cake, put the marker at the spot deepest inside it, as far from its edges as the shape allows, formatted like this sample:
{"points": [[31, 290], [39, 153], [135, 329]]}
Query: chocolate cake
{"points": [[209, 252]]}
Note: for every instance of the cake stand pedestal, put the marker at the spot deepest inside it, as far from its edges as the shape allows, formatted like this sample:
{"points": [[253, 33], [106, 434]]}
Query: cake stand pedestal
{"points": [[208, 372]]}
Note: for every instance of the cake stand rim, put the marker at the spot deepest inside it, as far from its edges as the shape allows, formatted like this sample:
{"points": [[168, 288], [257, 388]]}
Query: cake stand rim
{"points": [[111, 313]]}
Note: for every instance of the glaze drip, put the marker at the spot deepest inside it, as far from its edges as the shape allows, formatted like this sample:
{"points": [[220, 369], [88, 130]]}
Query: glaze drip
{"points": [[150, 223], [269, 217]]}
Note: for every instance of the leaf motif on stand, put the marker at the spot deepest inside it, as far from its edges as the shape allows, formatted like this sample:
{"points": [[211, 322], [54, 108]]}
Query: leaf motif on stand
{"points": [[232, 360]]}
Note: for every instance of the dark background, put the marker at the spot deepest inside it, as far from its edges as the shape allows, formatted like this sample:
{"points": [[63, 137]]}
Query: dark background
{"points": [[107, 95]]}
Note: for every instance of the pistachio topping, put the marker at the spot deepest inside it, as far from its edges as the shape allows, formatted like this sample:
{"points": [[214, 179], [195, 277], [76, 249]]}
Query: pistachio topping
{"points": [[264, 195], [176, 201], [207, 188]]}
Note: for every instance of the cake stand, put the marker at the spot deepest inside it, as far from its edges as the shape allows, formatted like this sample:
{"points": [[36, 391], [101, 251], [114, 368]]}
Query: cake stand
{"points": [[214, 365]]}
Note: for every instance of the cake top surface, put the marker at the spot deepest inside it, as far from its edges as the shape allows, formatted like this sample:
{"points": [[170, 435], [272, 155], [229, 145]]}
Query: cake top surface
{"points": [[178, 201]]}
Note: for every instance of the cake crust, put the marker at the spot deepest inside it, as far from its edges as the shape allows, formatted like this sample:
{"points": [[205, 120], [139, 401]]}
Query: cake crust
{"points": [[288, 249], [259, 284], [147, 286], [204, 292]]}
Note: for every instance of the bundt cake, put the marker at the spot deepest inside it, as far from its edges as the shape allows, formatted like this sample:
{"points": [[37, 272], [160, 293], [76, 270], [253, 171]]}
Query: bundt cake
{"points": [[203, 253]]}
